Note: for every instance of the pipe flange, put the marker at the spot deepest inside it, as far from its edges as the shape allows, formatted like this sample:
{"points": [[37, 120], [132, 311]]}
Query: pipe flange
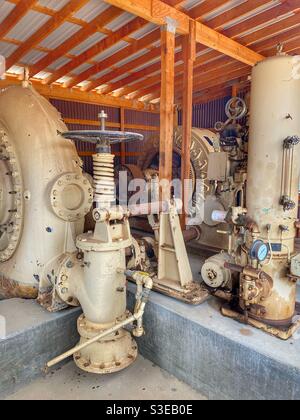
{"points": [[71, 197], [67, 269], [11, 199], [108, 355]]}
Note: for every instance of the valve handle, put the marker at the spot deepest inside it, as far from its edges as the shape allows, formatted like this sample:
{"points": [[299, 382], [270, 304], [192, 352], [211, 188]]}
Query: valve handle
{"points": [[102, 136], [236, 108]]}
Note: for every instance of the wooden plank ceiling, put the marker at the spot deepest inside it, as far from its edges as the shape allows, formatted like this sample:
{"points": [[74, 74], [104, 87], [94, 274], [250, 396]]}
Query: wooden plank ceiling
{"points": [[94, 50]]}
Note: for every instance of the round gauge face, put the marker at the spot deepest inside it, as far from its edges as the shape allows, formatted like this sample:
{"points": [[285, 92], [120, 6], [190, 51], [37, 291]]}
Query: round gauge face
{"points": [[262, 252], [259, 251]]}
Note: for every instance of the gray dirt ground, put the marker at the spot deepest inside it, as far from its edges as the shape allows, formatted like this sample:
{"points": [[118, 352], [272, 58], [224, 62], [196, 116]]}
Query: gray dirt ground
{"points": [[141, 381]]}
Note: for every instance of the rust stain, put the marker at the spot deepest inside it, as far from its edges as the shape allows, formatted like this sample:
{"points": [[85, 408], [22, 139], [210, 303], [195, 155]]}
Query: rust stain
{"points": [[12, 289], [246, 332]]}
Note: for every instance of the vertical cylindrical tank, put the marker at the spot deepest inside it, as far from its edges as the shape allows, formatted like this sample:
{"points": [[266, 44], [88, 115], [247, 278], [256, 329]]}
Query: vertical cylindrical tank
{"points": [[273, 173]]}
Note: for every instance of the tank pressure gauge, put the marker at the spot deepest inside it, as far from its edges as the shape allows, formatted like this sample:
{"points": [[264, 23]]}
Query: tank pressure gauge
{"points": [[259, 251]]}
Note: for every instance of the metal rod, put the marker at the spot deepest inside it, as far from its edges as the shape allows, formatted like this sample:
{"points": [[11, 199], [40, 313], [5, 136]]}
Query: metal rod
{"points": [[80, 347]]}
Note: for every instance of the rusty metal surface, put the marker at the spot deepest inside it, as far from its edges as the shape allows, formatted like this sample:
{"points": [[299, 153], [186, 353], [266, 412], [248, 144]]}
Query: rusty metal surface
{"points": [[195, 294], [11, 289], [284, 333]]}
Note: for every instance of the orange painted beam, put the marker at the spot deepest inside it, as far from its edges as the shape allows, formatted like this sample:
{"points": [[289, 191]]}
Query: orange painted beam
{"points": [[50, 26], [15, 16], [167, 108], [98, 48], [102, 19]]}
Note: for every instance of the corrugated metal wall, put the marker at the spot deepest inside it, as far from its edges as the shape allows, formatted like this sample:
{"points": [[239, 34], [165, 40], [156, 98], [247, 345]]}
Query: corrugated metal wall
{"points": [[204, 116]]}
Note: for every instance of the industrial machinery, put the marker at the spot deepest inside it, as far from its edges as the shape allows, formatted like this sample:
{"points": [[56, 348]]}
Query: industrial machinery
{"points": [[259, 272], [95, 275], [44, 195], [203, 143]]}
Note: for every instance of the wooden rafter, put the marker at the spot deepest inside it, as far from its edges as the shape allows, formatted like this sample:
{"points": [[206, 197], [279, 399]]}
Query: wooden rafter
{"points": [[204, 8], [146, 72], [50, 26], [135, 63], [98, 48], [58, 92], [15, 16], [156, 11], [138, 45], [247, 40], [102, 19], [245, 8]]}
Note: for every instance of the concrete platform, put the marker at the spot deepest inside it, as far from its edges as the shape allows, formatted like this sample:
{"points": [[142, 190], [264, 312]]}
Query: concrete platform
{"points": [[214, 355], [141, 381], [218, 356], [33, 336]]}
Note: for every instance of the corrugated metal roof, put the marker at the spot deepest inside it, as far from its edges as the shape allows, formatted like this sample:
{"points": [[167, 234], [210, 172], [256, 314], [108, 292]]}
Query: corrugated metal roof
{"points": [[33, 57], [120, 21], [110, 51], [57, 37], [100, 74], [131, 58], [53, 4], [144, 31], [89, 42], [91, 10], [81, 68], [59, 63], [224, 8], [7, 49], [268, 6], [42, 75], [28, 25], [34, 20], [189, 4], [5, 9], [16, 70]]}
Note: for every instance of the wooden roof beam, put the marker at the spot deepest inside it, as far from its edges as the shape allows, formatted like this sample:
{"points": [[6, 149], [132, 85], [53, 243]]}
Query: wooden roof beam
{"points": [[75, 95], [262, 33], [98, 48], [17, 13], [50, 26], [156, 11], [102, 19], [208, 6], [138, 45]]}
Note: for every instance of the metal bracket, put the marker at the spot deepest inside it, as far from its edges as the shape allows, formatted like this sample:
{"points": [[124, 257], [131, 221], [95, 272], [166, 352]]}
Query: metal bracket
{"points": [[291, 141], [171, 25]]}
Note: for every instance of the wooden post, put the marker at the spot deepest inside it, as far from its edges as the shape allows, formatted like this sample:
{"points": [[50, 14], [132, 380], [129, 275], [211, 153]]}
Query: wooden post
{"points": [[189, 53], [123, 146], [234, 91], [167, 105]]}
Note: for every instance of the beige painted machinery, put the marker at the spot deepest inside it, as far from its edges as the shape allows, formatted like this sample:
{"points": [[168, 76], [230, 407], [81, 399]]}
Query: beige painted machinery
{"points": [[95, 276], [44, 195], [204, 142], [258, 275]]}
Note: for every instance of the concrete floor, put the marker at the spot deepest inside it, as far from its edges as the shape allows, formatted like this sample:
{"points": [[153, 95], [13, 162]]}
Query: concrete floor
{"points": [[141, 381]]}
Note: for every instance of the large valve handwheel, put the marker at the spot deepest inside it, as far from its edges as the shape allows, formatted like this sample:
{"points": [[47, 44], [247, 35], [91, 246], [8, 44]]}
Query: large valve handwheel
{"points": [[103, 136]]}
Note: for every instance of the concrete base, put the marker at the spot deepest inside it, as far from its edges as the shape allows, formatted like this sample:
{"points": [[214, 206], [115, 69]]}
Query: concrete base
{"points": [[218, 356], [215, 355], [33, 337]]}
